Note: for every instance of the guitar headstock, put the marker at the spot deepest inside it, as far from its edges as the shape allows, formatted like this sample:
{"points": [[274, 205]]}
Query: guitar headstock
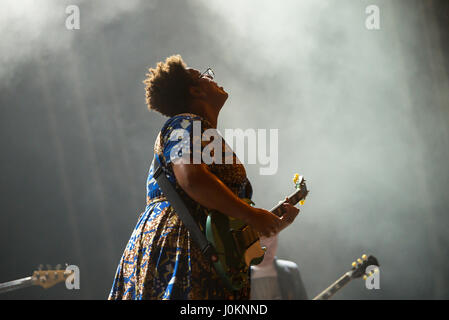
{"points": [[359, 269], [361, 264], [299, 195], [300, 185], [47, 278]]}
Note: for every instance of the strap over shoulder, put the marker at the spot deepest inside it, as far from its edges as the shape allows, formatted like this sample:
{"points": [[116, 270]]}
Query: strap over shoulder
{"points": [[182, 210]]}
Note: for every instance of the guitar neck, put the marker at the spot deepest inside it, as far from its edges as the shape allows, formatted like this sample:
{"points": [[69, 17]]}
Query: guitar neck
{"points": [[293, 199], [333, 288], [16, 284]]}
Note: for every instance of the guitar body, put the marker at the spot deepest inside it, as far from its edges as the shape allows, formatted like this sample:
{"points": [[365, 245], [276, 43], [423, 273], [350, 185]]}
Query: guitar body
{"points": [[237, 244]]}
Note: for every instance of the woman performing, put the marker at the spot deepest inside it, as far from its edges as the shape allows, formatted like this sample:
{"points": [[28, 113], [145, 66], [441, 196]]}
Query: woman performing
{"points": [[161, 261]]}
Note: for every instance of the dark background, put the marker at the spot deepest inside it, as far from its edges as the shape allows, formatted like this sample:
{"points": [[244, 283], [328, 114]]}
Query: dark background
{"points": [[364, 115]]}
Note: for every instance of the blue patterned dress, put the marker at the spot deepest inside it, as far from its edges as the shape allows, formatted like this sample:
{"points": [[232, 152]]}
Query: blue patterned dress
{"points": [[161, 261]]}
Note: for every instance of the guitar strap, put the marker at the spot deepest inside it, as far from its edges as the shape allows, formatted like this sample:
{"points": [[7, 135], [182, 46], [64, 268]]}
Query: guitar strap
{"points": [[182, 210]]}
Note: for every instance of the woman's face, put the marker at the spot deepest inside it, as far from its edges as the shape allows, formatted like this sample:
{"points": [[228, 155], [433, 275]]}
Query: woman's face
{"points": [[208, 89]]}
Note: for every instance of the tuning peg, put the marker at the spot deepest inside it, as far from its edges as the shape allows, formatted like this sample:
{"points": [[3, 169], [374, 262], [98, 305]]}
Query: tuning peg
{"points": [[354, 264], [359, 261], [40, 267], [364, 257], [302, 202], [48, 266], [58, 266], [365, 277], [295, 178]]}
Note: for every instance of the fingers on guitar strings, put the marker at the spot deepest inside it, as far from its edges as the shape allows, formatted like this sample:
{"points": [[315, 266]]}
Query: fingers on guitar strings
{"points": [[284, 201]]}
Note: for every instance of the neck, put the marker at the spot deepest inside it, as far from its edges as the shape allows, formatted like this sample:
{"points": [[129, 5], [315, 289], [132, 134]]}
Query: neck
{"points": [[205, 110]]}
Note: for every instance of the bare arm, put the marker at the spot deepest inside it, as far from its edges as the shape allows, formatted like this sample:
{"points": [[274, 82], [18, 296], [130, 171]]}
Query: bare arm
{"points": [[205, 188]]}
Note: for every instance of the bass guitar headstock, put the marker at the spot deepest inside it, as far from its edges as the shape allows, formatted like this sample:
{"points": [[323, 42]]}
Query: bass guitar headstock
{"points": [[361, 264], [49, 277], [359, 269]]}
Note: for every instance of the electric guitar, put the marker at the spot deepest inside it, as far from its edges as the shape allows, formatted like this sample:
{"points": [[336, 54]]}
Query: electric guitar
{"points": [[44, 278], [237, 244], [358, 270]]}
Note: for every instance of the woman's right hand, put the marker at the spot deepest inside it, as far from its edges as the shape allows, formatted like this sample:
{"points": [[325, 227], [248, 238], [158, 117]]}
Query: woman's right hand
{"points": [[264, 222]]}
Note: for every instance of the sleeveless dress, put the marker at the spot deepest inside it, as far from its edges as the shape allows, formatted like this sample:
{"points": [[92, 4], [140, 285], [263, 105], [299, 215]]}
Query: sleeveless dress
{"points": [[161, 261]]}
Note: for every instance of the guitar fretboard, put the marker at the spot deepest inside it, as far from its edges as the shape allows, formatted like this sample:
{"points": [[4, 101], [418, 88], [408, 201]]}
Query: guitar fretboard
{"points": [[16, 284], [293, 199], [333, 288]]}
